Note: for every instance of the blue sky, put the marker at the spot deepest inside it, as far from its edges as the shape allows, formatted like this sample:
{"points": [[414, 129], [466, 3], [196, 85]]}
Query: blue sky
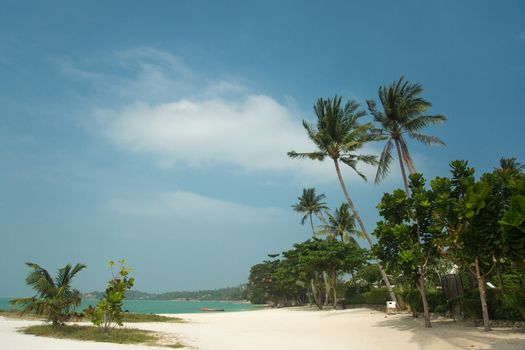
{"points": [[157, 131]]}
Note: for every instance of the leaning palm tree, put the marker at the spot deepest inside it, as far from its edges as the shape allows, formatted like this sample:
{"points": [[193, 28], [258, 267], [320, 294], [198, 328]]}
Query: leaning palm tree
{"points": [[55, 298], [404, 113], [337, 135], [340, 225], [310, 204]]}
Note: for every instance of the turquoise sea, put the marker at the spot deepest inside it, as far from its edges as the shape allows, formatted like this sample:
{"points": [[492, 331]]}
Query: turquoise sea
{"points": [[162, 306]]}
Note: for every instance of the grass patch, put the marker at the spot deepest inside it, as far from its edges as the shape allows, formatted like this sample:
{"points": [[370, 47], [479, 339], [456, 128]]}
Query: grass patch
{"points": [[133, 317], [90, 333], [128, 317]]}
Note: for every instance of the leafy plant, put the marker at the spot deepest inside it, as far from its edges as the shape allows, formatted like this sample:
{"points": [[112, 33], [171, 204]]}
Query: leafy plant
{"points": [[108, 311]]}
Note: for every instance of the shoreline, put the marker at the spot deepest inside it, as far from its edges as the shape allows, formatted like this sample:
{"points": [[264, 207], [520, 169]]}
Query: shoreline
{"points": [[292, 328]]}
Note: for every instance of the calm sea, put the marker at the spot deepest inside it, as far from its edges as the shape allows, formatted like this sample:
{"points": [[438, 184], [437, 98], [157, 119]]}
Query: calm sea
{"points": [[162, 306]]}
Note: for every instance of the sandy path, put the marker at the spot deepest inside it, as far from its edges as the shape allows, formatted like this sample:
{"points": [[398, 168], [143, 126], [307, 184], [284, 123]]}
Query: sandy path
{"points": [[290, 329]]}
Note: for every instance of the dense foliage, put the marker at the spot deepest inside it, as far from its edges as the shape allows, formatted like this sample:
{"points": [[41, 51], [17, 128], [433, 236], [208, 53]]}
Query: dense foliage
{"points": [[310, 272], [475, 224]]}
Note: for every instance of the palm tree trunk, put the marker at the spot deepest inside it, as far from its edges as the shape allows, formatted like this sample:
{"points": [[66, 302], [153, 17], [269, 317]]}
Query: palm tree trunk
{"points": [[312, 224], [403, 173], [365, 233]]}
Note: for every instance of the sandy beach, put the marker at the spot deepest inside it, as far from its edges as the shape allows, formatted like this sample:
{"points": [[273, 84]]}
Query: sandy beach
{"points": [[293, 328]]}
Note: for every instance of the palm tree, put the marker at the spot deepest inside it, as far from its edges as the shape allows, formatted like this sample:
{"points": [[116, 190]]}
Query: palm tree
{"points": [[310, 204], [403, 113], [341, 225], [510, 166], [337, 135], [54, 298]]}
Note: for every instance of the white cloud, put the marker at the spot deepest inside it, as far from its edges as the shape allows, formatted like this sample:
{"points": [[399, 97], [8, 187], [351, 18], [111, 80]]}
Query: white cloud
{"points": [[184, 205], [183, 119]]}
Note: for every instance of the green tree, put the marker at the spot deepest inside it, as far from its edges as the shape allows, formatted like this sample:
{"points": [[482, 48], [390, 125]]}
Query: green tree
{"points": [[109, 309], [55, 298], [472, 213], [261, 287], [408, 235], [404, 112], [337, 135], [310, 204]]}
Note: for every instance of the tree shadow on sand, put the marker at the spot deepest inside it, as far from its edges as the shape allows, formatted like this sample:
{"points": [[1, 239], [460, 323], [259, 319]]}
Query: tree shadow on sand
{"points": [[461, 335]]}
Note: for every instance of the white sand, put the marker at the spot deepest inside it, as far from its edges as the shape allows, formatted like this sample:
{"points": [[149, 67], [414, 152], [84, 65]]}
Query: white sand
{"points": [[296, 328]]}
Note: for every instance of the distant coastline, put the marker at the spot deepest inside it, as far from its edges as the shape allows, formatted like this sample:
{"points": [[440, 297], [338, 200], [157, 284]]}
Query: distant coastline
{"points": [[229, 294]]}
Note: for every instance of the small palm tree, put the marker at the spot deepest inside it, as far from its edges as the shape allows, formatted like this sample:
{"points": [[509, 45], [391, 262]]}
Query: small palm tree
{"points": [[55, 298], [403, 113], [310, 204], [341, 225], [338, 135]]}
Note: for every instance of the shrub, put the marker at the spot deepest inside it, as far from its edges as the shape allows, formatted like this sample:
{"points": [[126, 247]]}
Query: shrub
{"points": [[375, 296], [109, 308], [436, 300]]}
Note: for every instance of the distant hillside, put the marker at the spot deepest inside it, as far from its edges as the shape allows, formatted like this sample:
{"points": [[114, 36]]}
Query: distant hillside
{"points": [[225, 294]]}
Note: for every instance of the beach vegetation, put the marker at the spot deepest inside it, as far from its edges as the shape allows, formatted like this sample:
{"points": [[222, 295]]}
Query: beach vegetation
{"points": [[339, 135], [404, 114], [108, 311], [97, 334], [408, 234], [310, 204], [299, 276], [55, 298]]}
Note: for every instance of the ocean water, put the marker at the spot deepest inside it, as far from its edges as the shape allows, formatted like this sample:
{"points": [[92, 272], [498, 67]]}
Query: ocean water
{"points": [[161, 306]]}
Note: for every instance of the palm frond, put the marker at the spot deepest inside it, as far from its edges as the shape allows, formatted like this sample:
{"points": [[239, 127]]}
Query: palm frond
{"points": [[383, 167], [352, 163], [421, 121], [426, 139], [308, 155]]}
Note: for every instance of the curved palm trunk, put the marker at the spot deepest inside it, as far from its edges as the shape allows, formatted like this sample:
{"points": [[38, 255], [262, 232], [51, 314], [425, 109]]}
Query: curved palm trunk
{"points": [[312, 224], [399, 156], [363, 229]]}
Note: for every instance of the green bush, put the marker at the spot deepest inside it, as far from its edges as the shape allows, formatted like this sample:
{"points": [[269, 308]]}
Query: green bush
{"points": [[436, 300], [375, 296], [501, 306]]}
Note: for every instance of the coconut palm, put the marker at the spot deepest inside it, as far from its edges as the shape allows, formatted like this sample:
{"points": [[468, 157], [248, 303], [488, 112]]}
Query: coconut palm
{"points": [[338, 135], [340, 225], [310, 204], [403, 114], [510, 166], [55, 298]]}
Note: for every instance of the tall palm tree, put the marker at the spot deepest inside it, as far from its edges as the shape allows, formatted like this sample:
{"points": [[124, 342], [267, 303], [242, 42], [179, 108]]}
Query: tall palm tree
{"points": [[310, 204], [54, 298], [341, 225], [404, 112], [337, 135]]}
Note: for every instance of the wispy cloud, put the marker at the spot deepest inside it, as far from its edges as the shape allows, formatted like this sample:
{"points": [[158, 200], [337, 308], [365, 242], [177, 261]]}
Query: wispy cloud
{"points": [[184, 205], [183, 119]]}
